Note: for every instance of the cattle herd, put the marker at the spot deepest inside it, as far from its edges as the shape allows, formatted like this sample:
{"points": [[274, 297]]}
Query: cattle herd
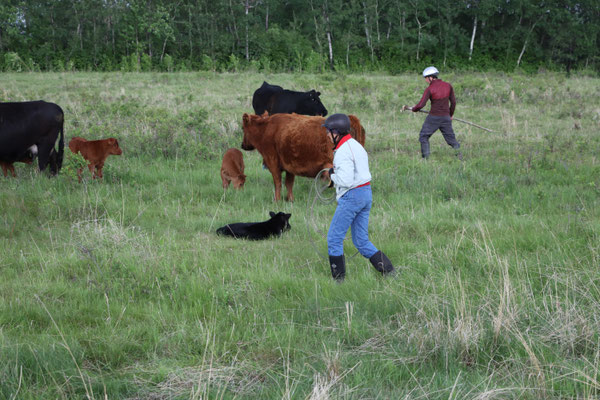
{"points": [[286, 130]]}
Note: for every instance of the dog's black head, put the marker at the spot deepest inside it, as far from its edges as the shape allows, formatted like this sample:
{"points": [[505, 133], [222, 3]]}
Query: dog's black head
{"points": [[282, 220]]}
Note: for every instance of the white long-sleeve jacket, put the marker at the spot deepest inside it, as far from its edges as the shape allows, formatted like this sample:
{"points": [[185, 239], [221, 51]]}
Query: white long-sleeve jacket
{"points": [[350, 166]]}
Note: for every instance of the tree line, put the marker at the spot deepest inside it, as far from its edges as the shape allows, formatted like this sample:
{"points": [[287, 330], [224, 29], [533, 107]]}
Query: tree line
{"points": [[299, 35]]}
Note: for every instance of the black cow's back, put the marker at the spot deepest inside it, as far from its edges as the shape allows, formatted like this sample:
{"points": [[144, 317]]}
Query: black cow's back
{"points": [[262, 96], [276, 100]]}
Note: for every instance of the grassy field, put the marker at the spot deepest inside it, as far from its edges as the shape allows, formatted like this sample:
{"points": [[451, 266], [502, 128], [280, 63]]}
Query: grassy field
{"points": [[120, 289]]}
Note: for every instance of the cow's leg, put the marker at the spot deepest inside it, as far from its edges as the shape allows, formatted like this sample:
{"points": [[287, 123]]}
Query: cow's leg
{"points": [[46, 152], [4, 169], [79, 172], [11, 168], [44, 149], [99, 169], [276, 172], [289, 184], [92, 168], [224, 180]]}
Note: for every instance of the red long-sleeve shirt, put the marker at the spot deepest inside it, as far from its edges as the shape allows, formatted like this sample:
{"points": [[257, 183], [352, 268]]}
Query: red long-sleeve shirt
{"points": [[440, 93]]}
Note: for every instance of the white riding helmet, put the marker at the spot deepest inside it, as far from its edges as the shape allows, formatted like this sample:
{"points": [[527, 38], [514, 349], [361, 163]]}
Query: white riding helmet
{"points": [[430, 71]]}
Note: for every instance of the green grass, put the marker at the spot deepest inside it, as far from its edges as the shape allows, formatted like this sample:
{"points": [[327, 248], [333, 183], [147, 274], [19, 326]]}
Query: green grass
{"points": [[121, 289]]}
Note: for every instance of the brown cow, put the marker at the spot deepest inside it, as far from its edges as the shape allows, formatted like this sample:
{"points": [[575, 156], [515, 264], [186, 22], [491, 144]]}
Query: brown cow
{"points": [[95, 152], [296, 144], [232, 169]]}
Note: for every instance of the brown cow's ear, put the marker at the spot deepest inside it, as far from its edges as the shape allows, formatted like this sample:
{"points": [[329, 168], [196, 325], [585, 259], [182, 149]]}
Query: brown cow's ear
{"points": [[246, 119]]}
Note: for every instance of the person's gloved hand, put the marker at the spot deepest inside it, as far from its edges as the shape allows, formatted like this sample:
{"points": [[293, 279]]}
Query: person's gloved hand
{"points": [[330, 180]]}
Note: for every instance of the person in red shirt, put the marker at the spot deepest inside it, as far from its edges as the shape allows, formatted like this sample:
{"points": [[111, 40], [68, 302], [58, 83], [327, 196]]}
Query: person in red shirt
{"points": [[440, 115]]}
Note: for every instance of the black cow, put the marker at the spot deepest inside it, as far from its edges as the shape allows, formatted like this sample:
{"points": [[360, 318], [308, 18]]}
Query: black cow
{"points": [[23, 125], [277, 100], [275, 226]]}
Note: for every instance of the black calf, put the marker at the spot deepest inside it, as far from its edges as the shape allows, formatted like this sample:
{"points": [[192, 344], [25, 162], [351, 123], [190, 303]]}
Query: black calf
{"points": [[278, 224]]}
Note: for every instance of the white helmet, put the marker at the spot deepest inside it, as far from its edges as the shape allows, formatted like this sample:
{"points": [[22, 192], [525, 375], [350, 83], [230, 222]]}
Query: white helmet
{"points": [[429, 71]]}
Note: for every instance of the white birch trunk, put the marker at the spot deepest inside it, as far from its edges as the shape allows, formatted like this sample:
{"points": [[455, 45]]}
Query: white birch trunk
{"points": [[316, 28], [367, 30], [473, 38], [267, 19], [526, 41], [377, 20], [418, 36], [247, 8]]}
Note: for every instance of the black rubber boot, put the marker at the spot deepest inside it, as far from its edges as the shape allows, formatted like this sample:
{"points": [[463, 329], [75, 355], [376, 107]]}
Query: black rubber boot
{"points": [[458, 153], [425, 150], [382, 264], [338, 267]]}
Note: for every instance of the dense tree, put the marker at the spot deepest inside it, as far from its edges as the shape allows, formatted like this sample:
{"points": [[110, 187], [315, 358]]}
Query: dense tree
{"points": [[311, 35]]}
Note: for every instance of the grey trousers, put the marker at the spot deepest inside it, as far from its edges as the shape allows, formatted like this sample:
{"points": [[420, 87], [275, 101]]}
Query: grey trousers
{"points": [[433, 123]]}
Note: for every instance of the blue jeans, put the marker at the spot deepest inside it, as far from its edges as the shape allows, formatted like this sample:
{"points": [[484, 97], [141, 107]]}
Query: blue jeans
{"points": [[352, 212]]}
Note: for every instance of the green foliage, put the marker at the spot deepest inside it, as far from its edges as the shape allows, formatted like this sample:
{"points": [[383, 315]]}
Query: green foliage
{"points": [[167, 63], [233, 63], [14, 63], [72, 163], [145, 62], [292, 35], [130, 63], [207, 63]]}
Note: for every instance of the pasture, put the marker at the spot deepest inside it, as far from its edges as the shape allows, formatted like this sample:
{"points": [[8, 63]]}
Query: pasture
{"points": [[120, 289]]}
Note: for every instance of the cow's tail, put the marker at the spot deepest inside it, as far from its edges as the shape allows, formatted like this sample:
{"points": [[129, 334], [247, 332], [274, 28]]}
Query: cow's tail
{"points": [[61, 149]]}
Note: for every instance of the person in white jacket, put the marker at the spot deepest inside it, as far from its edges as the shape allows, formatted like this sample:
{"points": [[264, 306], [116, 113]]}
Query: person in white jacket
{"points": [[352, 180]]}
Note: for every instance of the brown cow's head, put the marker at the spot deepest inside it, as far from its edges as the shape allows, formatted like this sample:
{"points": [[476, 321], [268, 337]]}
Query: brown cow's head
{"points": [[113, 147], [252, 125], [238, 183]]}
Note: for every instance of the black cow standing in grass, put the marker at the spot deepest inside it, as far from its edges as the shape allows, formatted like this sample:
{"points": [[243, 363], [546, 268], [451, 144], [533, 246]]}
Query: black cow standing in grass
{"points": [[277, 100], [33, 123]]}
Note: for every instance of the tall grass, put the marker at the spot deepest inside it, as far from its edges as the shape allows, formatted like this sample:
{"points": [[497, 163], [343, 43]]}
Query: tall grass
{"points": [[121, 289]]}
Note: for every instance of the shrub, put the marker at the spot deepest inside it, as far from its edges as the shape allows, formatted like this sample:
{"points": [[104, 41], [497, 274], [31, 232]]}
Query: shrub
{"points": [[73, 163], [207, 63], [145, 62], [167, 63]]}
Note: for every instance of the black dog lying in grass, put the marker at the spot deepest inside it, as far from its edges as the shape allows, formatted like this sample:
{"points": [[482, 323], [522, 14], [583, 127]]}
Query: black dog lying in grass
{"points": [[278, 224]]}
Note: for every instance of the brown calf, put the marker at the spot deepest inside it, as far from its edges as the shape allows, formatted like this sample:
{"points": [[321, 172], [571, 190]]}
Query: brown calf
{"points": [[95, 152], [232, 169], [27, 158], [8, 167]]}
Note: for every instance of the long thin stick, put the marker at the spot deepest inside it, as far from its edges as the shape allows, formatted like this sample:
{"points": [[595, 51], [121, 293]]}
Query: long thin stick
{"points": [[459, 120]]}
